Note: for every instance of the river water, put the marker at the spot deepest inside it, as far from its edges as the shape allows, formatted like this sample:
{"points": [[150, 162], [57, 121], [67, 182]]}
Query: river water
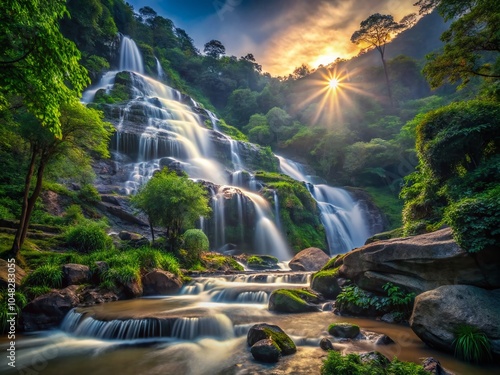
{"points": [[202, 331]]}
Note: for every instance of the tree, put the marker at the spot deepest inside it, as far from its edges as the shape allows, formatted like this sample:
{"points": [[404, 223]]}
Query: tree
{"points": [[82, 130], [472, 42], [301, 71], [172, 201], [214, 48], [375, 32], [36, 61]]}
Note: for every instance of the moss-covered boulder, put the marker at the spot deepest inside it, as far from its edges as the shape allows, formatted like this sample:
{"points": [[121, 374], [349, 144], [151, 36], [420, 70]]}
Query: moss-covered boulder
{"points": [[265, 331], [266, 351], [293, 301], [344, 330], [326, 283], [262, 262]]}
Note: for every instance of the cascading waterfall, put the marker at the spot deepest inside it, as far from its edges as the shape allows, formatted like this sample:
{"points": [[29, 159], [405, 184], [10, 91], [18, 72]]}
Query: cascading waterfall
{"points": [[344, 221], [159, 69], [157, 128], [130, 57]]}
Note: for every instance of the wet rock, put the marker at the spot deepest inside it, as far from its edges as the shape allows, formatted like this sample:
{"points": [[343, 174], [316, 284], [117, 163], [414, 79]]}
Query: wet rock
{"points": [[266, 351], [438, 313], [90, 297], [310, 259], [433, 366], [293, 301], [384, 340], [158, 282], [262, 262], [48, 311], [75, 274], [326, 283], [326, 344], [391, 318], [268, 331], [4, 274], [344, 330], [420, 263], [374, 358]]}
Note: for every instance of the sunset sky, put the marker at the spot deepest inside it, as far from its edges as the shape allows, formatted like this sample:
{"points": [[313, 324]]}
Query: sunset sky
{"points": [[282, 34]]}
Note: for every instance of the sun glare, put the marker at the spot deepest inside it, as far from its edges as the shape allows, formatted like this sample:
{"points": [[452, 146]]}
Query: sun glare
{"points": [[333, 83]]}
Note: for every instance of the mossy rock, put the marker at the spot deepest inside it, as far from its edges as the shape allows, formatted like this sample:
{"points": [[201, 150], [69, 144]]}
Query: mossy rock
{"points": [[262, 262], [326, 283], [266, 351], [265, 331], [293, 301], [343, 330]]}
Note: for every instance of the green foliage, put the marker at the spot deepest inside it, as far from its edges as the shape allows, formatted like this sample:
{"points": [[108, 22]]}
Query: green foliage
{"points": [[150, 259], [46, 275], [352, 364], [471, 345], [233, 132], [34, 291], [122, 275], [195, 243], [38, 63], [88, 236], [389, 203]]}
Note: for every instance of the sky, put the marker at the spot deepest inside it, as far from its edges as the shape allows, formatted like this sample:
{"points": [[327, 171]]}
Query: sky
{"points": [[281, 34]]}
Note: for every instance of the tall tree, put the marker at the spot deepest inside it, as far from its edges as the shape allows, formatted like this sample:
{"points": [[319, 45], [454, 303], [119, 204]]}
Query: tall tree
{"points": [[375, 32], [214, 48], [36, 61], [472, 43], [82, 129]]}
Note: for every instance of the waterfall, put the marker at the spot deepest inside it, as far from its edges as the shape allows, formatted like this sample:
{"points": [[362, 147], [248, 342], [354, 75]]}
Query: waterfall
{"points": [[276, 210], [343, 219], [130, 57], [159, 70]]}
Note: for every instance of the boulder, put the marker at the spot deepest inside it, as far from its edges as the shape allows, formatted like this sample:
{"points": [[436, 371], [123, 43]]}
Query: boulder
{"points": [[130, 289], [158, 282], [310, 259], [326, 282], [420, 263], [293, 301], [75, 274], [375, 358], [438, 313], [95, 296], [48, 311], [266, 351], [344, 330], [434, 367], [384, 340], [19, 274], [326, 344], [268, 331], [134, 240]]}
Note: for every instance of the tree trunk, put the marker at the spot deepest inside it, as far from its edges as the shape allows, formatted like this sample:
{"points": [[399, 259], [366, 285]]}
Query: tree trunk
{"points": [[389, 91], [19, 239], [152, 231]]}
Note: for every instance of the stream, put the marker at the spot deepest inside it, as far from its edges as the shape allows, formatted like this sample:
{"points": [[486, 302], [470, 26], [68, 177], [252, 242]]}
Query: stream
{"points": [[202, 331]]}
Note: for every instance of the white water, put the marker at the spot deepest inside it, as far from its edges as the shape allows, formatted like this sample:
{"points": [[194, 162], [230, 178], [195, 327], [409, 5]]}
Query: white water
{"points": [[344, 221], [159, 70], [130, 57]]}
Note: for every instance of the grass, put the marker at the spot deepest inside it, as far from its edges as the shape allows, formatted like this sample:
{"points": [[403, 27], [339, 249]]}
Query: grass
{"points": [[471, 345], [46, 275], [88, 236]]}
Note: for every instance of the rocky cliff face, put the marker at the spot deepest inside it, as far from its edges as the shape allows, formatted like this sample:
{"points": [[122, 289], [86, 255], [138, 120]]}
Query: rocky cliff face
{"points": [[420, 263]]}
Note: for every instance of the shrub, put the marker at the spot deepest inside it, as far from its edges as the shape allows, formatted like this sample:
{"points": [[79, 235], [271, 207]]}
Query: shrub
{"points": [[88, 236], [153, 258], [471, 345], [46, 275], [195, 242], [122, 275], [88, 194]]}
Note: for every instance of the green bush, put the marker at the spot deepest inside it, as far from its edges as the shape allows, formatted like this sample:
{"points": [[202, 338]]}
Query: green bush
{"points": [[153, 258], [88, 194], [122, 275], [46, 275], [88, 236], [195, 243], [471, 345], [352, 364]]}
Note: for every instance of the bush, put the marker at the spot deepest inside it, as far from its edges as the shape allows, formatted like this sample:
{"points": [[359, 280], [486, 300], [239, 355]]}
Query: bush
{"points": [[195, 243], [153, 258], [122, 275], [88, 236], [46, 275], [471, 345]]}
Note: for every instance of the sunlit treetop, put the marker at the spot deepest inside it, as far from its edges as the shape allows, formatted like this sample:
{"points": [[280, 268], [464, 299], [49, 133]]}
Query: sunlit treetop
{"points": [[36, 62]]}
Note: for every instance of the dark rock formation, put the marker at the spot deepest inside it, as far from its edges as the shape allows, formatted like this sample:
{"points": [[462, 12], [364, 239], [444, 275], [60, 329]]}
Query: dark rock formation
{"points": [[160, 282], [326, 344], [75, 274], [268, 331], [433, 366], [344, 330], [438, 313], [420, 263], [384, 340], [310, 259], [48, 311], [266, 351]]}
